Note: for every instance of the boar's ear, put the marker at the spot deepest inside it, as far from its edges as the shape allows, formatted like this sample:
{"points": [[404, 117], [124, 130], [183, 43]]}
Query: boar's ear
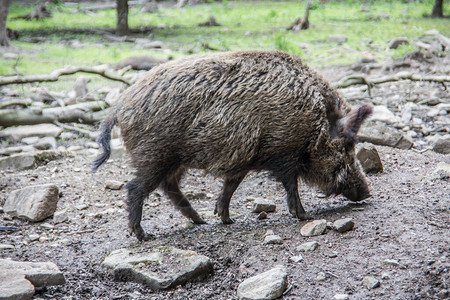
{"points": [[354, 120]]}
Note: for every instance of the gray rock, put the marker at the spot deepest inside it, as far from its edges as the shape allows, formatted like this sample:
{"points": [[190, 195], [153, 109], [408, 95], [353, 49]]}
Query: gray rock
{"points": [[163, 268], [371, 282], [391, 262], [46, 143], [308, 246], [381, 135], [18, 162], [296, 259], [383, 114], [397, 42], [369, 158], [441, 171], [260, 205], [153, 44], [338, 38], [17, 149], [60, 216], [267, 285], [316, 227], [34, 203], [442, 145], [18, 279], [117, 149], [273, 239], [341, 297], [41, 130], [114, 184], [343, 225]]}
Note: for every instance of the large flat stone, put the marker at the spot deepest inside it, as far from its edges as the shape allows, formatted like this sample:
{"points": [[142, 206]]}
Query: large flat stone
{"points": [[313, 228], [18, 162], [267, 285], [33, 203], [18, 279], [163, 268], [20, 132], [382, 135]]}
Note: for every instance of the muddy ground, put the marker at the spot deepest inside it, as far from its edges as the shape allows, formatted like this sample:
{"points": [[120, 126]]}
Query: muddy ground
{"points": [[406, 220]]}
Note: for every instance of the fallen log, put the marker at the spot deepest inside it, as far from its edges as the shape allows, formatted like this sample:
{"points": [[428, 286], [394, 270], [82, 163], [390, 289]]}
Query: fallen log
{"points": [[370, 82], [87, 113], [54, 76]]}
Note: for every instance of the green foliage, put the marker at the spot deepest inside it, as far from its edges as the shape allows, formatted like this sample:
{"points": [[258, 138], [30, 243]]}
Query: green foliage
{"points": [[402, 50], [246, 25]]}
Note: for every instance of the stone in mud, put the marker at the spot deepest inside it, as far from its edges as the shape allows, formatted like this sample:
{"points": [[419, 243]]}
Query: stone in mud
{"points": [[113, 184], [343, 225], [308, 246], [316, 227], [260, 205], [369, 158], [34, 203], [163, 268], [267, 285], [371, 282], [273, 240], [18, 279], [442, 145]]}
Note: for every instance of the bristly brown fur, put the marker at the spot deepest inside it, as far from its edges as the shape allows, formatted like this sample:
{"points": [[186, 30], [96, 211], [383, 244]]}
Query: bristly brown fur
{"points": [[231, 113]]}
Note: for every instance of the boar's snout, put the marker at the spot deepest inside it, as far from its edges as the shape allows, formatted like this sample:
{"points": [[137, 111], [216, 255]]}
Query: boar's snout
{"points": [[357, 194]]}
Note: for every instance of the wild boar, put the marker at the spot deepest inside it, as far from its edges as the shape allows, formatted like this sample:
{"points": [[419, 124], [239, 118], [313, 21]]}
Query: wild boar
{"points": [[229, 114]]}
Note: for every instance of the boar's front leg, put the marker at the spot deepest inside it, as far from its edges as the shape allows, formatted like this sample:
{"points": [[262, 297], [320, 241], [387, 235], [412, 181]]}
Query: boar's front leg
{"points": [[172, 190], [223, 203], [293, 200]]}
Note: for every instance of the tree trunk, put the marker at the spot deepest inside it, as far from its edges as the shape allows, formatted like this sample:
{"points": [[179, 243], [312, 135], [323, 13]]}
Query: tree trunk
{"points": [[122, 17], [4, 7], [438, 9]]}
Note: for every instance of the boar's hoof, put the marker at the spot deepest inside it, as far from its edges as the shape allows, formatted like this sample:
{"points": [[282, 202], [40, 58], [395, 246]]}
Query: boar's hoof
{"points": [[140, 233], [198, 220], [227, 220]]}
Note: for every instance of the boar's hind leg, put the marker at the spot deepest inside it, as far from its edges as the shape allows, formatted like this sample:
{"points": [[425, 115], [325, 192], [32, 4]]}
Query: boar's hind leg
{"points": [[172, 190], [223, 203], [293, 199], [138, 190]]}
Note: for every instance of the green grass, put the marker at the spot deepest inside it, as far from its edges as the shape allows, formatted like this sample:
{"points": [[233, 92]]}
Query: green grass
{"points": [[246, 25]]}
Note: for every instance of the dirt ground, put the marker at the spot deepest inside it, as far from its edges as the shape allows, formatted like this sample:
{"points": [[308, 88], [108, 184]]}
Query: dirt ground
{"points": [[405, 220]]}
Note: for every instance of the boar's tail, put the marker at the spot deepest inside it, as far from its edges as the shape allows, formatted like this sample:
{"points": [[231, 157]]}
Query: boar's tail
{"points": [[104, 140]]}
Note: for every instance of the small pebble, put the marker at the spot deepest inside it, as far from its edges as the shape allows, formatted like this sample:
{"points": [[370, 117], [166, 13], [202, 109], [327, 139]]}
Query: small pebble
{"points": [[391, 262], [262, 215], [309, 246], [296, 259], [320, 276], [341, 297], [33, 237], [114, 184], [273, 239], [316, 227], [344, 225]]}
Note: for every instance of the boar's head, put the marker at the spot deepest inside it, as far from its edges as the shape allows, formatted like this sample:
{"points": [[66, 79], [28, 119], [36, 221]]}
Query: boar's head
{"points": [[336, 170]]}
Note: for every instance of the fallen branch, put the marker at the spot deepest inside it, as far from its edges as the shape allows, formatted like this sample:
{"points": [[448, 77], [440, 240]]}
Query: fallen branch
{"points": [[87, 112], [54, 76], [360, 79], [87, 133], [40, 12]]}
